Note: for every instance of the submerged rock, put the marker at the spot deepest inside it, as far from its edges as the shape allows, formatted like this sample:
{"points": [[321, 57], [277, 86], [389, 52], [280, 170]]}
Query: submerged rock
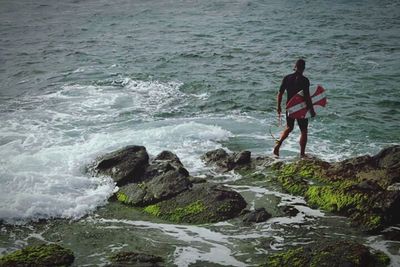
{"points": [[135, 259], [203, 203], [257, 216], [329, 254], [125, 166], [41, 255]]}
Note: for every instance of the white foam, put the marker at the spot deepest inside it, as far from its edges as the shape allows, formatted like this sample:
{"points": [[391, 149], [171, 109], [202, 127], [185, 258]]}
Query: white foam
{"points": [[46, 142], [217, 244]]}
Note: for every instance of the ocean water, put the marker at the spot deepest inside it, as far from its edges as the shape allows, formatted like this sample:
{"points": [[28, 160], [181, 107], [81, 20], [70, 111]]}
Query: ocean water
{"points": [[82, 78]]}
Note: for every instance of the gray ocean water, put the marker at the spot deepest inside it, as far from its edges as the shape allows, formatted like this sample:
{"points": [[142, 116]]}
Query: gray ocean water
{"points": [[81, 78]]}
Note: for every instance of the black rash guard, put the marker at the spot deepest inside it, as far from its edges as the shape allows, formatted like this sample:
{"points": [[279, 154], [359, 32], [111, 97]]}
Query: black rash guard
{"points": [[294, 83]]}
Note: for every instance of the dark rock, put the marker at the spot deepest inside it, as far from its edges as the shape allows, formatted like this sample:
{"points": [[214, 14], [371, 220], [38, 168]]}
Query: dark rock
{"points": [[290, 211], [197, 180], [161, 184], [226, 162], [329, 254], [135, 259], [258, 215], [392, 234], [41, 255], [126, 165], [215, 156], [367, 185], [242, 158], [170, 157], [350, 167], [203, 203]]}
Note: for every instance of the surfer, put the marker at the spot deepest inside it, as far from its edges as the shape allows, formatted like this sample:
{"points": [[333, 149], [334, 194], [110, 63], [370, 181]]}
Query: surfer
{"points": [[294, 83]]}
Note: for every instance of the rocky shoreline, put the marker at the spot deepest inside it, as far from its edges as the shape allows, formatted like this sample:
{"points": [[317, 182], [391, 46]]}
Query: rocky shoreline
{"points": [[365, 189]]}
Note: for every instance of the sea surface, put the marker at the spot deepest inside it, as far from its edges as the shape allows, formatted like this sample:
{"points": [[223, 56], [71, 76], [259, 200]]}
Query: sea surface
{"points": [[82, 78]]}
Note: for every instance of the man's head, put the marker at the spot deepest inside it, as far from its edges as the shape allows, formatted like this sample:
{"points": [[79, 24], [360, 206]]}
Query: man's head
{"points": [[300, 65]]}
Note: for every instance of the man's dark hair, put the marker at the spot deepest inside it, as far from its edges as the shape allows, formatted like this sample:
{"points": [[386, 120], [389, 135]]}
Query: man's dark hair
{"points": [[300, 64]]}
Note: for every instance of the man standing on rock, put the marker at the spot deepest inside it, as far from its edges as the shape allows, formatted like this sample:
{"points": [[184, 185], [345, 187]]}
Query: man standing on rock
{"points": [[294, 83]]}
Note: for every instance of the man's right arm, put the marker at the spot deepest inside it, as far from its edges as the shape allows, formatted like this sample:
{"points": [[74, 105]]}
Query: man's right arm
{"points": [[282, 89], [279, 102]]}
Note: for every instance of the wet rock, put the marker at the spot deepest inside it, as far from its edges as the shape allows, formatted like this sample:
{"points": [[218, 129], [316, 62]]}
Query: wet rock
{"points": [[242, 158], [392, 233], [356, 187], [203, 203], [329, 254], [169, 157], [290, 211], [197, 180], [135, 259], [225, 162], [162, 181], [41, 255], [257, 216], [126, 165]]}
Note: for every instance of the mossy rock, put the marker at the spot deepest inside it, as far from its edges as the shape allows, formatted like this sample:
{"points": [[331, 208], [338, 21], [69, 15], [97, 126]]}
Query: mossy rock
{"points": [[41, 255], [329, 254], [135, 259], [204, 203]]}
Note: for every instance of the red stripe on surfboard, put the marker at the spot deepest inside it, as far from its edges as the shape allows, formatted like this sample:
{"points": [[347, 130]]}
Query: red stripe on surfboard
{"points": [[298, 99]]}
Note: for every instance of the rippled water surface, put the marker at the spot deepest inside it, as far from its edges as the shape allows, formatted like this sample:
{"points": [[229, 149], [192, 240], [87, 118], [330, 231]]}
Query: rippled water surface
{"points": [[81, 78]]}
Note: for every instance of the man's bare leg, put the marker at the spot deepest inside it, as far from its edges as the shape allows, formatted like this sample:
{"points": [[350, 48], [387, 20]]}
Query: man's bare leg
{"points": [[284, 135], [303, 143]]}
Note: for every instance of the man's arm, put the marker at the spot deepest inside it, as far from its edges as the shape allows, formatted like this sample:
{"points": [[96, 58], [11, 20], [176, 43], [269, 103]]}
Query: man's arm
{"points": [[282, 89], [279, 102]]}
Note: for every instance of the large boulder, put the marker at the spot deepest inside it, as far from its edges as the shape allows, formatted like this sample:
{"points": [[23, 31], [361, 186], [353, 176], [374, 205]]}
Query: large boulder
{"points": [[41, 255], [361, 188], [164, 178], [203, 203], [161, 181], [125, 166]]}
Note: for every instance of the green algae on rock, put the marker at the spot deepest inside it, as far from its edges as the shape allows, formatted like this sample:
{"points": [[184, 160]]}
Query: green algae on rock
{"points": [[348, 187], [204, 203], [329, 254], [41, 255]]}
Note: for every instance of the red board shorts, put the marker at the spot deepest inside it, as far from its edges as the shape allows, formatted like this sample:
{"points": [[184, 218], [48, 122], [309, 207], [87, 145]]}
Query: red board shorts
{"points": [[303, 123]]}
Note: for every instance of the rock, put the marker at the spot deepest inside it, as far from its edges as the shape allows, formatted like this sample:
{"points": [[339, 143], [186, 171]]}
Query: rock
{"points": [[160, 188], [135, 259], [351, 167], [394, 187], [203, 203], [125, 166], [258, 215], [41, 255], [215, 156], [161, 181], [169, 157], [226, 162], [392, 234], [329, 254], [197, 180], [242, 158], [290, 211], [361, 188], [388, 158]]}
